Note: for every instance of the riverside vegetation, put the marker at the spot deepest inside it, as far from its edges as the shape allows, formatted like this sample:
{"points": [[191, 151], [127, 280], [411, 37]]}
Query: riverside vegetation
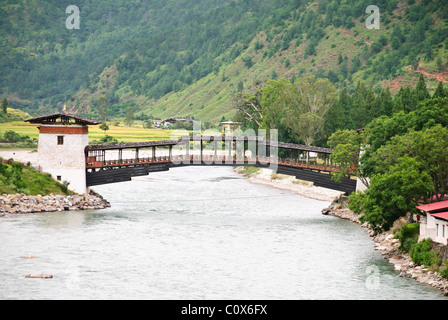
{"points": [[404, 164], [16, 177], [24, 190], [425, 261]]}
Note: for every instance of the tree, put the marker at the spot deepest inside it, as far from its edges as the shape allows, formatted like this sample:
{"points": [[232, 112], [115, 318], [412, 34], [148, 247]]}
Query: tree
{"points": [[11, 136], [240, 86], [387, 102], [104, 127], [428, 114], [439, 64], [440, 91], [149, 124], [359, 112], [338, 117], [272, 102], [421, 93], [305, 105], [432, 151], [311, 48], [346, 146], [427, 146], [129, 120], [404, 100], [248, 62], [5, 105], [249, 107], [393, 194], [102, 105]]}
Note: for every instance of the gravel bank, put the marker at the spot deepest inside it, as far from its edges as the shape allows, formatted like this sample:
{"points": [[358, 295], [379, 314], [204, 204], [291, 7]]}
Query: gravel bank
{"points": [[24, 204], [266, 177]]}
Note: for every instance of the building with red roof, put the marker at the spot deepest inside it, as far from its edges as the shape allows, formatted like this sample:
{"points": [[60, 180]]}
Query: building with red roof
{"points": [[434, 221]]}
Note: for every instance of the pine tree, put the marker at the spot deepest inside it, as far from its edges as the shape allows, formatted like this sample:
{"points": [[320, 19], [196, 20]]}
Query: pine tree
{"points": [[404, 100], [361, 106], [336, 118], [440, 91], [387, 102], [5, 105], [421, 93]]}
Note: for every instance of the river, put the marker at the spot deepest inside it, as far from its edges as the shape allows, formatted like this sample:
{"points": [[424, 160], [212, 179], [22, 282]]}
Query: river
{"points": [[196, 233]]}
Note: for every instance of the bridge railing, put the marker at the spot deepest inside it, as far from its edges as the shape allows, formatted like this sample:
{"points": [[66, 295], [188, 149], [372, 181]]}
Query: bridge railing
{"points": [[93, 163]]}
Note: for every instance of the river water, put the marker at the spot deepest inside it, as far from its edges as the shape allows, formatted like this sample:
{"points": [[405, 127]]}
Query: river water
{"points": [[196, 233]]}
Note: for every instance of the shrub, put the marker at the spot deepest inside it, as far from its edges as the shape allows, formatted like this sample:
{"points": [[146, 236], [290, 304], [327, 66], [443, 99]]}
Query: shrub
{"points": [[11, 136], [443, 271], [423, 254], [355, 201], [408, 236], [408, 243]]}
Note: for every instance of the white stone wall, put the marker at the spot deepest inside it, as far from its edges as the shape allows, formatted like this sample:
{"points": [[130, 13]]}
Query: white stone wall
{"points": [[441, 230], [436, 229], [67, 160]]}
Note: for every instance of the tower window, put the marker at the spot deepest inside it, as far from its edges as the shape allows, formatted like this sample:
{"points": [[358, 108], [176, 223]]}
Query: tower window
{"points": [[59, 178], [60, 140]]}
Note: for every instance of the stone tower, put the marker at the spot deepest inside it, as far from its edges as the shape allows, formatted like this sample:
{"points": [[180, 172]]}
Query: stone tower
{"points": [[62, 140]]}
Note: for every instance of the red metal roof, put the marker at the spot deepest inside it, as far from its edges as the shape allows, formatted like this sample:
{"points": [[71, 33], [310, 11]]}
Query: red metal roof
{"points": [[441, 215], [441, 205]]}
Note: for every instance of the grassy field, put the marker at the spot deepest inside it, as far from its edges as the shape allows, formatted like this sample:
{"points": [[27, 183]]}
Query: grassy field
{"points": [[121, 133], [129, 134]]}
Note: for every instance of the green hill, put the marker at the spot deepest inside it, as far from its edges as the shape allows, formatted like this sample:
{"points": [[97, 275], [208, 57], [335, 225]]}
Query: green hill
{"points": [[170, 58]]}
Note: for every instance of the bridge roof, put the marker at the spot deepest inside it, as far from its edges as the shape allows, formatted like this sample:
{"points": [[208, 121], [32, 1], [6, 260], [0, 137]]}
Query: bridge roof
{"points": [[301, 147], [63, 118], [132, 145]]}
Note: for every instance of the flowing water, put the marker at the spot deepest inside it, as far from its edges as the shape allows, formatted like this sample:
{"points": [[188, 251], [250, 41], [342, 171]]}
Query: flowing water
{"points": [[196, 233]]}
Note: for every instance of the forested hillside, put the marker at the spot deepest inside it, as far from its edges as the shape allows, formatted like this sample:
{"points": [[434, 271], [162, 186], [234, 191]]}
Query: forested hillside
{"points": [[192, 57]]}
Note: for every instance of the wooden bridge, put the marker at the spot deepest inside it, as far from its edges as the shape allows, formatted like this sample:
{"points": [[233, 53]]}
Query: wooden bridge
{"points": [[120, 162]]}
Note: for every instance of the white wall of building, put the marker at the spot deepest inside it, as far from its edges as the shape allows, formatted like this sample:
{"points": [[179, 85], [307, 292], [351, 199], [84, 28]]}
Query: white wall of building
{"points": [[434, 228], [66, 161]]}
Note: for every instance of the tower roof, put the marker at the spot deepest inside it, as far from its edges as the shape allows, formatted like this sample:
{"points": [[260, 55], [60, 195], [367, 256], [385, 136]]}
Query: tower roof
{"points": [[63, 118]]}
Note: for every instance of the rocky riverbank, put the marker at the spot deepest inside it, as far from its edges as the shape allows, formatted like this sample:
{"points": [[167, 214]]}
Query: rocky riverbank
{"points": [[24, 204], [388, 246]]}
